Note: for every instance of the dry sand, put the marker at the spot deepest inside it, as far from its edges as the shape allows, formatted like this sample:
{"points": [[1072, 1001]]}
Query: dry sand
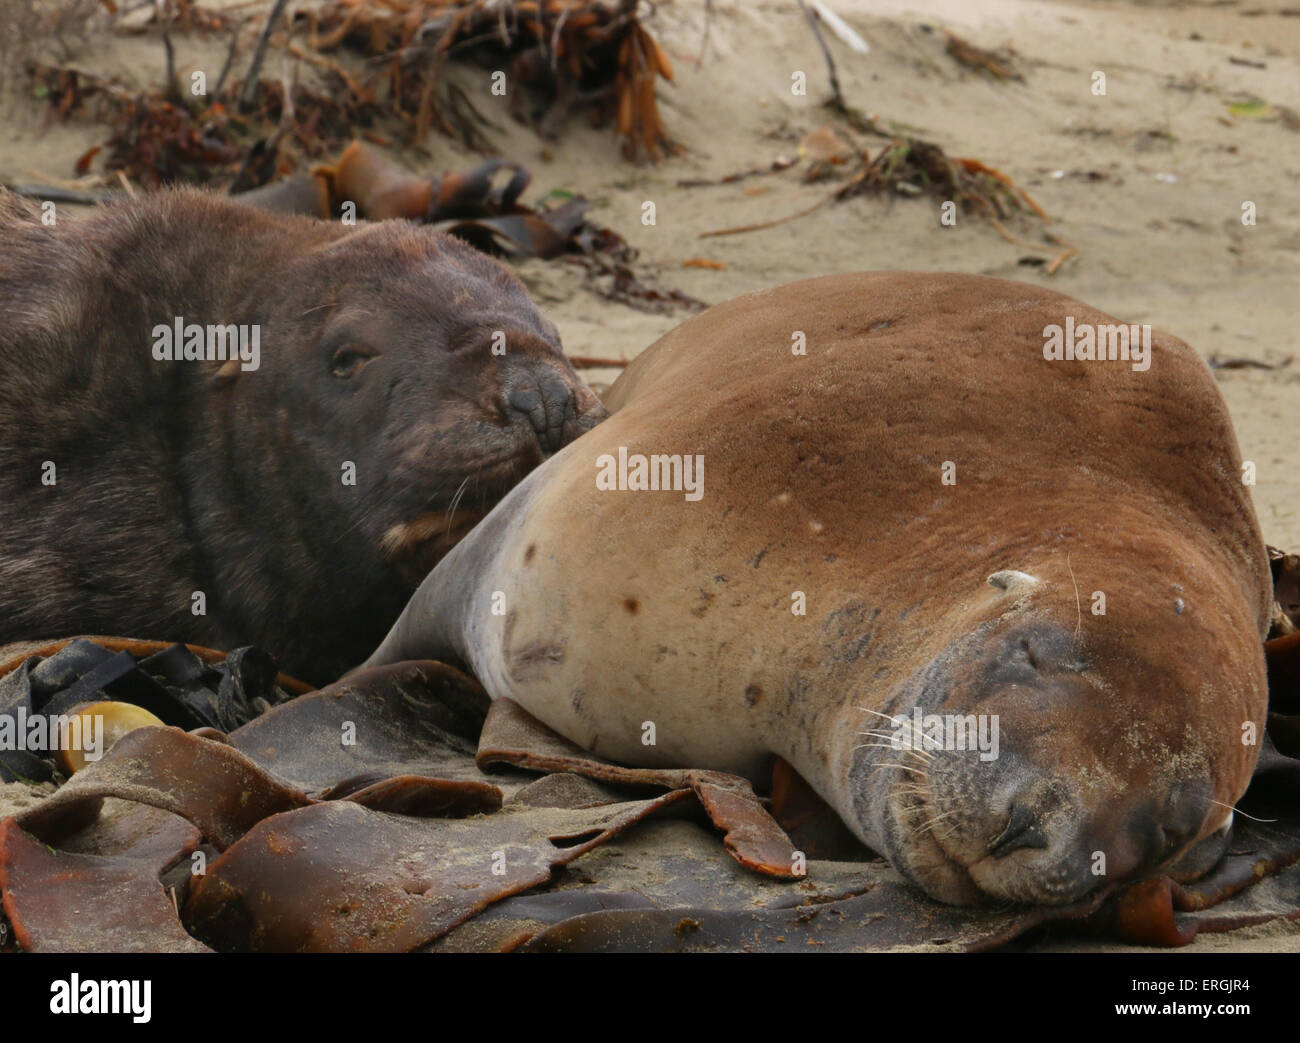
{"points": [[1148, 181]]}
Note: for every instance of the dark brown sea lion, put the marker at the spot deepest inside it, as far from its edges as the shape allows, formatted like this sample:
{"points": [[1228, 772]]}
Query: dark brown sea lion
{"points": [[922, 515], [303, 492]]}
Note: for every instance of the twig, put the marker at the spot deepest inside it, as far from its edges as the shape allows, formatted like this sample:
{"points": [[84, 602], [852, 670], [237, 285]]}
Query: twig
{"points": [[250, 81], [172, 88], [230, 60], [322, 61], [766, 224], [286, 105], [1216, 362], [1069, 249], [1014, 239], [555, 37], [708, 25], [777, 165], [591, 362], [826, 52], [1061, 258], [55, 194], [841, 28]]}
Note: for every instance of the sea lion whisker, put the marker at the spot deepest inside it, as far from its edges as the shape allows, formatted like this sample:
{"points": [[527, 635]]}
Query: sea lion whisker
{"points": [[905, 767], [455, 502], [891, 718], [883, 735], [931, 822], [888, 746], [904, 736], [1237, 811], [902, 742], [1078, 605], [925, 757]]}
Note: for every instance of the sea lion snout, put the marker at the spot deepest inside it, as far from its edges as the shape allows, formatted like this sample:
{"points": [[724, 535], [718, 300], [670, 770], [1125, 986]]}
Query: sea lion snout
{"points": [[1024, 831], [1040, 763], [556, 404], [1057, 846]]}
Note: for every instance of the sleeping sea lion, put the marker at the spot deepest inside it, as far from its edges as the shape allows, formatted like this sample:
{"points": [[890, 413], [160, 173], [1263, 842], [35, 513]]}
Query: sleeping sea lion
{"points": [[999, 601], [227, 427]]}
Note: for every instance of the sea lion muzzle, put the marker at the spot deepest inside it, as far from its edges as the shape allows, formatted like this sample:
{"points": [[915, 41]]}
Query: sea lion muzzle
{"points": [[1077, 792], [559, 409]]}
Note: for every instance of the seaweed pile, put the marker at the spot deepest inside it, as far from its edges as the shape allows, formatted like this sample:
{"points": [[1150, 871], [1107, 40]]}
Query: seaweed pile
{"points": [[378, 72], [480, 205], [128, 685], [566, 53], [362, 817], [376, 77]]}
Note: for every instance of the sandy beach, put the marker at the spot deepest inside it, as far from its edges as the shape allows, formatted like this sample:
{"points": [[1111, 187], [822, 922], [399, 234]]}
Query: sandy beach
{"points": [[1147, 182]]}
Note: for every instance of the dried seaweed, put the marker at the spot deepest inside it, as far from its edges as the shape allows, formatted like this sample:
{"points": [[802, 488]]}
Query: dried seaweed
{"points": [[996, 64], [914, 167], [173, 683], [564, 52], [568, 53], [33, 30], [480, 205], [379, 861]]}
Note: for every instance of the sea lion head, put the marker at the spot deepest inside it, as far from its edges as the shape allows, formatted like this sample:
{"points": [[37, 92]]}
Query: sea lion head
{"points": [[1046, 751], [426, 366]]}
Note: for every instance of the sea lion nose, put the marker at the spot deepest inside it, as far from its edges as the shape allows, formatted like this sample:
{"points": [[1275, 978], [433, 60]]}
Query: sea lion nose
{"points": [[1024, 829], [1037, 807], [547, 404], [1118, 839], [558, 409]]}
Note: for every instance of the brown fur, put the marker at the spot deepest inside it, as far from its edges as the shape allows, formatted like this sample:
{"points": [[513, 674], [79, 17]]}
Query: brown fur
{"points": [[173, 479], [823, 476]]}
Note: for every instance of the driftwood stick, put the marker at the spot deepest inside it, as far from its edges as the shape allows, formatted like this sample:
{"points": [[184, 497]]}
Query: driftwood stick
{"points": [[230, 60], [56, 194], [255, 67], [171, 88], [826, 53]]}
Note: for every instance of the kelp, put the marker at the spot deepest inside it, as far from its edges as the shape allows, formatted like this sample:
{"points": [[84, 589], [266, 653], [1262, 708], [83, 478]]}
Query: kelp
{"points": [[356, 818], [567, 53], [392, 84], [480, 205]]}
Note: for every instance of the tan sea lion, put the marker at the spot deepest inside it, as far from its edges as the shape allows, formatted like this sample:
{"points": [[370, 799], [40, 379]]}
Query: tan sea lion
{"points": [[1056, 557], [391, 385]]}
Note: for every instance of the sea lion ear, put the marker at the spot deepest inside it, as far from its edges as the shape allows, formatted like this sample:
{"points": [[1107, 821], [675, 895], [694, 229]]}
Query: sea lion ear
{"points": [[226, 374], [1008, 578]]}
